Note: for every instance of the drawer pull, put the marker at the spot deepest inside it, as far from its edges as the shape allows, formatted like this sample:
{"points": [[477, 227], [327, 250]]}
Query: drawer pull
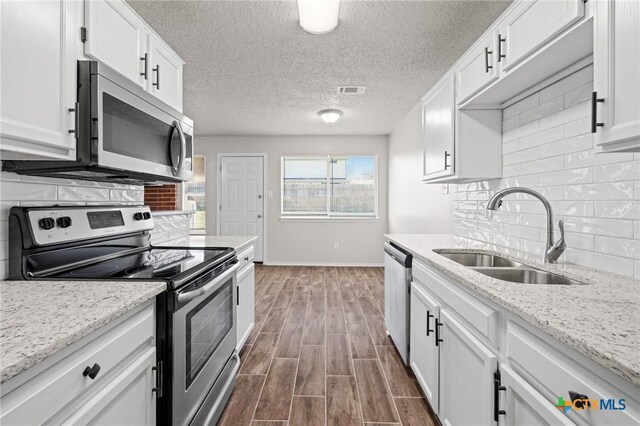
{"points": [[246, 258], [92, 372]]}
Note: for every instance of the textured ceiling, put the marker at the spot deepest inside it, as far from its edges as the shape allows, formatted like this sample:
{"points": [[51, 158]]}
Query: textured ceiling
{"points": [[251, 70]]}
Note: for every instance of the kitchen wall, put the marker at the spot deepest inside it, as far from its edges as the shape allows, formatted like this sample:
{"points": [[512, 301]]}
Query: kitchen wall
{"points": [[413, 206], [18, 190], [547, 146], [306, 241]]}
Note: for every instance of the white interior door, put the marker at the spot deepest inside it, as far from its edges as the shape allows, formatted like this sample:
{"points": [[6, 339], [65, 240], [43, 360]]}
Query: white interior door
{"points": [[241, 198]]}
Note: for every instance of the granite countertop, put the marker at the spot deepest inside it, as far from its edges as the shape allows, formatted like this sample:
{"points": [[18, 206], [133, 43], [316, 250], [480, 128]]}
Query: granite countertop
{"points": [[600, 320], [39, 318], [220, 241]]}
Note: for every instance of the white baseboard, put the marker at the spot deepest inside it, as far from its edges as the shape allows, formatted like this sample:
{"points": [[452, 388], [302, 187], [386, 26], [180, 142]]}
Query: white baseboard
{"points": [[364, 265]]}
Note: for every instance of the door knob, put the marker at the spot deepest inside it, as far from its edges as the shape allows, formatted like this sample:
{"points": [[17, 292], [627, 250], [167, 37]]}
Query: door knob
{"points": [[259, 216]]}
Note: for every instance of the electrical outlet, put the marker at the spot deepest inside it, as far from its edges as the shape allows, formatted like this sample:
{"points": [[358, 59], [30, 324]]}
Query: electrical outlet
{"points": [[336, 246]]}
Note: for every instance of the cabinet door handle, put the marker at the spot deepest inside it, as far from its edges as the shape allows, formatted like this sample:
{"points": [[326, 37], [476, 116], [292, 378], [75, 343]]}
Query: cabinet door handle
{"points": [[145, 59], [446, 160], [92, 372], [238, 296], [429, 316], [438, 325], [487, 67], [594, 112], [500, 41], [497, 388], [157, 71], [76, 110]]}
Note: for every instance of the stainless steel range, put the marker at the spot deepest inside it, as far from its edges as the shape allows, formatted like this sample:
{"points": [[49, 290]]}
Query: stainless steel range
{"points": [[196, 319]]}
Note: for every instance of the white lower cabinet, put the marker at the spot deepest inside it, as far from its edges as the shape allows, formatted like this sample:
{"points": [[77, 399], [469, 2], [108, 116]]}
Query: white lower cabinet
{"points": [[521, 404], [245, 297], [424, 311], [108, 378], [128, 399], [466, 375], [478, 364]]}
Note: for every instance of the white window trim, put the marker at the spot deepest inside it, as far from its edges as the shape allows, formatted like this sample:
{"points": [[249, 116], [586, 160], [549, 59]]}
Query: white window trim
{"points": [[328, 217]]}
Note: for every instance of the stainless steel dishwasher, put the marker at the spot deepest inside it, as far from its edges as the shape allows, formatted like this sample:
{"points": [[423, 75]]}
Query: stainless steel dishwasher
{"points": [[397, 282]]}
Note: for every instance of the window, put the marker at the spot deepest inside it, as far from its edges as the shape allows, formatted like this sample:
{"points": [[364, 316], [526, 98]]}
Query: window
{"points": [[194, 195], [332, 186]]}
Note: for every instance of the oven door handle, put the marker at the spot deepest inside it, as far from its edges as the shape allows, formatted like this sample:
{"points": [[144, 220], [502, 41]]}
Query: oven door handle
{"points": [[183, 149], [232, 376], [211, 285]]}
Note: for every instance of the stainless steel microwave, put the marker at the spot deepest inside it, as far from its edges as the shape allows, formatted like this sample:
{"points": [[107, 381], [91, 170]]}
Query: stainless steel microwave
{"points": [[124, 135]]}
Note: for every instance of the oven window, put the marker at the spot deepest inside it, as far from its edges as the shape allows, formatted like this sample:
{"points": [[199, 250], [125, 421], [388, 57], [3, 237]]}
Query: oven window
{"points": [[207, 325], [131, 132]]}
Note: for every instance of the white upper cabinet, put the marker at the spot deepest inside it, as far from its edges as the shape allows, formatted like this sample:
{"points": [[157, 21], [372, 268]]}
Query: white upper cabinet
{"points": [[165, 78], [119, 38], [533, 23], [438, 129], [616, 66], [39, 45], [478, 69], [116, 36]]}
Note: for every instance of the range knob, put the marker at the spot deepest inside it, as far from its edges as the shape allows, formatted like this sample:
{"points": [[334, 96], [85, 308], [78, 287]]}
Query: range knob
{"points": [[46, 223], [138, 216], [147, 215], [63, 222]]}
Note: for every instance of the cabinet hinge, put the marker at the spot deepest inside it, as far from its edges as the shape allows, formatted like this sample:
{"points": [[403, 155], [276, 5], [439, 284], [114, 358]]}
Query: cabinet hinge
{"points": [[83, 34]]}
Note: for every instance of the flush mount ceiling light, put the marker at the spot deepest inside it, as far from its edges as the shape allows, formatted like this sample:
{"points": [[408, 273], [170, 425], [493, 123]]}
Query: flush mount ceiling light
{"points": [[330, 115], [318, 16]]}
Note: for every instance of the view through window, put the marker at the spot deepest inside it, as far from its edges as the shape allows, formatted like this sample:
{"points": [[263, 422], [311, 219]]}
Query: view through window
{"points": [[194, 195], [332, 186]]}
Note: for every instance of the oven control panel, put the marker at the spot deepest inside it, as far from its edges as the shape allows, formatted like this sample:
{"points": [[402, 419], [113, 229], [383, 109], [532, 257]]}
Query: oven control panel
{"points": [[65, 224]]}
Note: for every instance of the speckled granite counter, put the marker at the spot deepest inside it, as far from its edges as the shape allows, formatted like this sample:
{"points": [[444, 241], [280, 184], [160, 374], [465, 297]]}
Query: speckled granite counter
{"points": [[600, 320], [220, 241], [39, 318]]}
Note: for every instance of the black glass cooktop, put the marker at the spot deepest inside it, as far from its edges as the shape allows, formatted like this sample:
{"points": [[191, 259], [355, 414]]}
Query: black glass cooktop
{"points": [[156, 263]]}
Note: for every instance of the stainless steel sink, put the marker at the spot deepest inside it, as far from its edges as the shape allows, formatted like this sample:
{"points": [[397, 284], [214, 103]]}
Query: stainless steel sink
{"points": [[526, 276], [483, 260]]}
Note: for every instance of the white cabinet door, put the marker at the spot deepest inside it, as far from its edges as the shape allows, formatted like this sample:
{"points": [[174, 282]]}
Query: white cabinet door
{"points": [[524, 405], [246, 304], [478, 70], [438, 124], [165, 78], [116, 36], [534, 23], [466, 375], [38, 41], [616, 69], [129, 399], [425, 355]]}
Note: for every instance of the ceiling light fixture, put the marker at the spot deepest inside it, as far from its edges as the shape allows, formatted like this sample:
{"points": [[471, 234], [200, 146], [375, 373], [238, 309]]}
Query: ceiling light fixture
{"points": [[318, 16], [330, 115]]}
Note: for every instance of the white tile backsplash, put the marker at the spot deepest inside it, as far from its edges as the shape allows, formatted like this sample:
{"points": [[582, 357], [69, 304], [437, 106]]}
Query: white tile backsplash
{"points": [[16, 190], [547, 146]]}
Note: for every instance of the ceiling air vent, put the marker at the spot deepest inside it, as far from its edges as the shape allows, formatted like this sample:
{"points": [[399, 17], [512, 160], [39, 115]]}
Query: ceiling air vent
{"points": [[351, 90]]}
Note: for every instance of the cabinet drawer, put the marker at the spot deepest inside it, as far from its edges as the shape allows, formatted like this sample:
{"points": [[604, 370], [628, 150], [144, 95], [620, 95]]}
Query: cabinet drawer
{"points": [[46, 394], [554, 374], [245, 257], [479, 315]]}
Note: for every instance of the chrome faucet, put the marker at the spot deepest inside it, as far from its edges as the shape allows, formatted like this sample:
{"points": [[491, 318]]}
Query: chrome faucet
{"points": [[553, 250]]}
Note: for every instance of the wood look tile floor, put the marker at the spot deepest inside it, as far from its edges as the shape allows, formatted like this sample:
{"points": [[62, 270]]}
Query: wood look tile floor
{"points": [[319, 354]]}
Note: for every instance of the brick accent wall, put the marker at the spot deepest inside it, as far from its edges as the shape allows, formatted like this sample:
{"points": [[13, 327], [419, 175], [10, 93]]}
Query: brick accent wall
{"points": [[162, 197]]}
